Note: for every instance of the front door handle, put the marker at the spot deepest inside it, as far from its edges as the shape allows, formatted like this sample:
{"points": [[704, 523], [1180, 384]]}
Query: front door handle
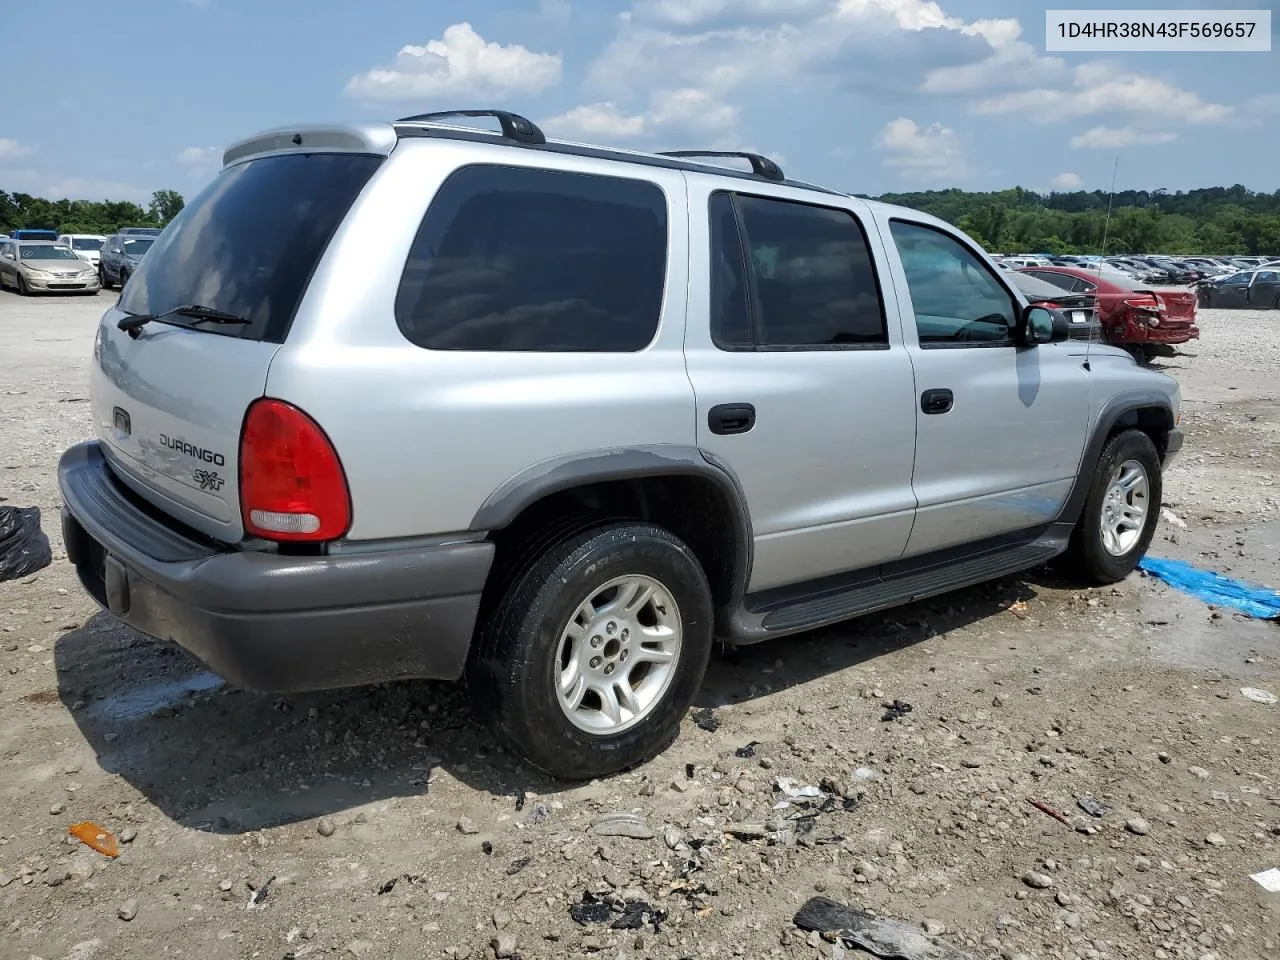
{"points": [[727, 418], [937, 401]]}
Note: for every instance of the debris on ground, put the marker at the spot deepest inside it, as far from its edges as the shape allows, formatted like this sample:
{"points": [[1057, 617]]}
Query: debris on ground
{"points": [[1020, 609], [1051, 811], [787, 787], [1214, 589], [897, 710], [888, 939], [1168, 516], [1092, 807], [24, 548], [518, 865], [127, 910], [747, 752], [630, 825], [466, 827], [1265, 697], [95, 837], [258, 895], [1268, 880], [538, 814], [706, 719]]}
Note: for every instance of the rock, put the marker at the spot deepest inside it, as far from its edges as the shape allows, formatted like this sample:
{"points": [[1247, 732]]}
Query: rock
{"points": [[1215, 840], [1138, 825], [745, 786], [326, 827], [1164, 757], [1039, 881], [359, 948], [1200, 773], [934, 928], [128, 910], [224, 886], [128, 835], [1073, 921], [630, 825], [57, 809], [997, 701], [1065, 899], [971, 763], [501, 919], [71, 768], [867, 871], [747, 831], [504, 946], [466, 827], [673, 836]]}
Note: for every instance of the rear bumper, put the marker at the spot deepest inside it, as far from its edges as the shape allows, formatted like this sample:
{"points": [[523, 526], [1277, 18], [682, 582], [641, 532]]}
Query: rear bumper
{"points": [[264, 621]]}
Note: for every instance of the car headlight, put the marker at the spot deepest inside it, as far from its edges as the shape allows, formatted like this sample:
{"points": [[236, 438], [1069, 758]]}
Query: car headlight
{"points": [[39, 274]]}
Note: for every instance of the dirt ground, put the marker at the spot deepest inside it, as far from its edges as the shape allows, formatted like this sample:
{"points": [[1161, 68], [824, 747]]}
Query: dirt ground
{"points": [[394, 827]]}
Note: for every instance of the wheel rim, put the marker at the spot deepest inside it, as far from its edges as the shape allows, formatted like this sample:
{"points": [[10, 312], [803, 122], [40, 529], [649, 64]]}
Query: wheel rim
{"points": [[618, 654], [1124, 508]]}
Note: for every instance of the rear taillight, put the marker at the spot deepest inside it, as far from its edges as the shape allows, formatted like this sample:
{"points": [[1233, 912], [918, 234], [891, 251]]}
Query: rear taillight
{"points": [[292, 486]]}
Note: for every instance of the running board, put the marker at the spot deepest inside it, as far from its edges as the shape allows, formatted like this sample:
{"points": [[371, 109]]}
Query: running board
{"points": [[821, 607]]}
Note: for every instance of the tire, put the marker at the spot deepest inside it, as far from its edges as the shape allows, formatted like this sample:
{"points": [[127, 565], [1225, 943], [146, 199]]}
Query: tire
{"points": [[1276, 305], [23, 290], [523, 654], [1093, 554], [124, 277], [102, 278]]}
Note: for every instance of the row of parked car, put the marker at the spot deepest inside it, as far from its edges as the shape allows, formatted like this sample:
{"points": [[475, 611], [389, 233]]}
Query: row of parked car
{"points": [[44, 261], [1149, 268]]}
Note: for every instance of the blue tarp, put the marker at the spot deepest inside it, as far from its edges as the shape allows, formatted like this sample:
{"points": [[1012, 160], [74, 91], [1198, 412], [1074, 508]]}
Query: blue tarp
{"points": [[1214, 588]]}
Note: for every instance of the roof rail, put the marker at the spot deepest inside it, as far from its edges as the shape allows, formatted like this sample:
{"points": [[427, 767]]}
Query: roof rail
{"points": [[514, 127], [761, 166]]}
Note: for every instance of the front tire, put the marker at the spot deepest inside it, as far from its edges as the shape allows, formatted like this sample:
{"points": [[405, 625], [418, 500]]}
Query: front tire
{"points": [[23, 289], [102, 278], [589, 660], [1120, 511]]}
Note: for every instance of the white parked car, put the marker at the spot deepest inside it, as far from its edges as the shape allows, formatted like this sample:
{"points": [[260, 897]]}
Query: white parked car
{"points": [[86, 246]]}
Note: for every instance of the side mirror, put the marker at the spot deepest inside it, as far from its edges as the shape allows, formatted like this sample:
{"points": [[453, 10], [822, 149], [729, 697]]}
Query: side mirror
{"points": [[1042, 325]]}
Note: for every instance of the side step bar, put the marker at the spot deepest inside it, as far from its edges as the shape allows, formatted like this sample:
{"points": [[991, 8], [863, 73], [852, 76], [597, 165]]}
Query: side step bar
{"points": [[871, 592]]}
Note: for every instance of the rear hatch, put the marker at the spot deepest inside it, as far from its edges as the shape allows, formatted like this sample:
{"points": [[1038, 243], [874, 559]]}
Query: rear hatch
{"points": [[169, 398], [1179, 305]]}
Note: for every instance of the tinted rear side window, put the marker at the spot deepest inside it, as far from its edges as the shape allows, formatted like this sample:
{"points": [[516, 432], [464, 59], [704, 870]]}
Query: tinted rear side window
{"points": [[517, 259], [249, 242]]}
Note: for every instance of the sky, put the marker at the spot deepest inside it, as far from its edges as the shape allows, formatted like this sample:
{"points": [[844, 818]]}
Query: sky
{"points": [[868, 96]]}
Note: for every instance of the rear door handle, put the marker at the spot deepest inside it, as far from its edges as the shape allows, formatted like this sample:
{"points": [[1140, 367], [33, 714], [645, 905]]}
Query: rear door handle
{"points": [[937, 401], [727, 418]]}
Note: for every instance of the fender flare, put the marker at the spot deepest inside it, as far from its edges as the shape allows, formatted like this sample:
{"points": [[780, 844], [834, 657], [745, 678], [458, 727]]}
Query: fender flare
{"points": [[642, 462], [1123, 405]]}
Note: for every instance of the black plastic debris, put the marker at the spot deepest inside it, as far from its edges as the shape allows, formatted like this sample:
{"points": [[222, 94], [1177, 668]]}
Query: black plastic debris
{"points": [[851, 803], [888, 939], [689, 769], [1092, 807], [520, 799], [24, 548], [487, 848], [897, 710], [388, 886], [635, 915], [747, 752], [258, 895], [592, 909], [518, 865], [706, 719]]}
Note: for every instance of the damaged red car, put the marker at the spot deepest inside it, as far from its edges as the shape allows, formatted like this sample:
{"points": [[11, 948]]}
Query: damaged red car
{"points": [[1147, 322]]}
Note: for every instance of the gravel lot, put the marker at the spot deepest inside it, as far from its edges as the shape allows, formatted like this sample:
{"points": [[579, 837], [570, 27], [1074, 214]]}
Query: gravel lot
{"points": [[393, 827]]}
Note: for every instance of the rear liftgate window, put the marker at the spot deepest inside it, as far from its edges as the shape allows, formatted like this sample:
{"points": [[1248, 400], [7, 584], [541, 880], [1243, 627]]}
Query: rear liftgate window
{"points": [[517, 259], [248, 244]]}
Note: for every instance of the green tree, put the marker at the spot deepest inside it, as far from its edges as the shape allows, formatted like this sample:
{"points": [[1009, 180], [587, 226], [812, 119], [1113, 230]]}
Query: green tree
{"points": [[165, 205]]}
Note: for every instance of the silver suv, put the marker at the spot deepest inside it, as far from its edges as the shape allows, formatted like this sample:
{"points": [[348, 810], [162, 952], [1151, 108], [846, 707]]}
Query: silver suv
{"points": [[423, 400]]}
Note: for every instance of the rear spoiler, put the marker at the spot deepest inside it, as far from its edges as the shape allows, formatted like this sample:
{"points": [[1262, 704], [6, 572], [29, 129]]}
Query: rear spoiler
{"points": [[372, 138]]}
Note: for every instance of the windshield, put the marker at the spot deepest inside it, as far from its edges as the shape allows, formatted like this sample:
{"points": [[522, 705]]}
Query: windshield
{"points": [[45, 251], [248, 243], [137, 246], [86, 243]]}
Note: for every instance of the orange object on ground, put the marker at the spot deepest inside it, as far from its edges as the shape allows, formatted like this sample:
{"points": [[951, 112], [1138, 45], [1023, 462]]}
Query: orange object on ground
{"points": [[99, 838]]}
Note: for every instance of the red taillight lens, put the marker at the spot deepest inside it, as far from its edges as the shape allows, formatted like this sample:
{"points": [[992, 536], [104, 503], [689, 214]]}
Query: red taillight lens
{"points": [[292, 485], [1144, 303]]}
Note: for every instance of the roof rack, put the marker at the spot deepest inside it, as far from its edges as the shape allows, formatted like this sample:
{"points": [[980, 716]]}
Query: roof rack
{"points": [[514, 127], [761, 166]]}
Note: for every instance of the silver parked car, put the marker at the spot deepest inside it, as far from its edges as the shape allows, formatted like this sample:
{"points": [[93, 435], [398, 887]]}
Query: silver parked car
{"points": [[419, 400], [38, 266]]}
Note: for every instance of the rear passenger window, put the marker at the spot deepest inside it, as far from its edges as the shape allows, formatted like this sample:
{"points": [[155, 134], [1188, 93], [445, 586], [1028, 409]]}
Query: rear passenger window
{"points": [[814, 283], [512, 258]]}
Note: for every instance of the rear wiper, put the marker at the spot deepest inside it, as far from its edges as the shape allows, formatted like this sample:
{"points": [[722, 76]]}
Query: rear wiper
{"points": [[193, 311]]}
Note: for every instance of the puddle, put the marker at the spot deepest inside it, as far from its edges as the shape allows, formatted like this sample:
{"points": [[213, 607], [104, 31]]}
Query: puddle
{"points": [[138, 702]]}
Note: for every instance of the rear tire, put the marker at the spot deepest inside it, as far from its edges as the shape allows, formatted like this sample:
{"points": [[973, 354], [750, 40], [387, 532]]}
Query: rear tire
{"points": [[1120, 512], [23, 289], [594, 651], [124, 277]]}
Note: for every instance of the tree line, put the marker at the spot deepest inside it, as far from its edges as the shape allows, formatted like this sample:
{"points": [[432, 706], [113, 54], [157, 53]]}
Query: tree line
{"points": [[22, 211], [1209, 221]]}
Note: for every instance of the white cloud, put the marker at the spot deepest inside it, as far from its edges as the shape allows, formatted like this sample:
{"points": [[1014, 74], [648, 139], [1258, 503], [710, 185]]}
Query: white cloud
{"points": [[1066, 181], [1113, 138], [1266, 103], [200, 157], [931, 154], [460, 64], [692, 13], [11, 149], [1101, 88], [55, 187], [1011, 61], [669, 112]]}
